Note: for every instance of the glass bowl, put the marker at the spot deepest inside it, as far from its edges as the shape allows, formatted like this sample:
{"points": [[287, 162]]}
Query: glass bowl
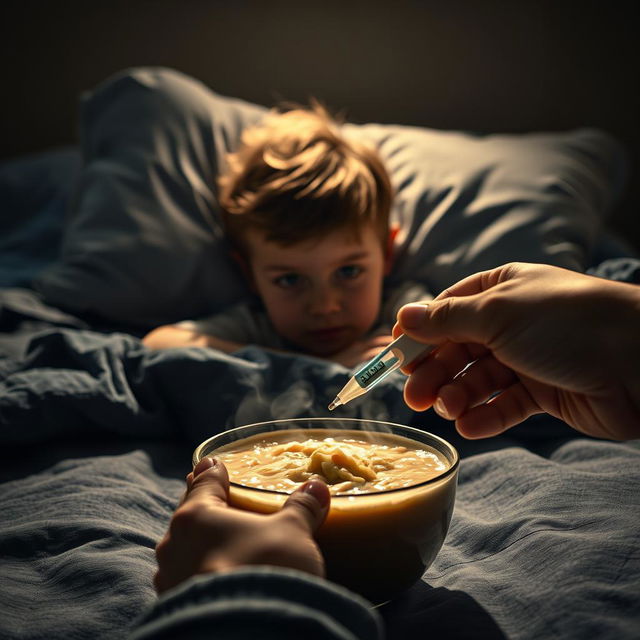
{"points": [[376, 544]]}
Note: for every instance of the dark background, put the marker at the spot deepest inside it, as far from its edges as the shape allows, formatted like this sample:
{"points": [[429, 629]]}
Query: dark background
{"points": [[476, 65]]}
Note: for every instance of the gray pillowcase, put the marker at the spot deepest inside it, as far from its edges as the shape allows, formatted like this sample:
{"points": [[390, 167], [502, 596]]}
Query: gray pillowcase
{"points": [[466, 203], [143, 243]]}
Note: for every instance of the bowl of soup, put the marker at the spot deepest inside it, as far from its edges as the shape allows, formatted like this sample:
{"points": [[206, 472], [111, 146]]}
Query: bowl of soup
{"points": [[392, 491]]}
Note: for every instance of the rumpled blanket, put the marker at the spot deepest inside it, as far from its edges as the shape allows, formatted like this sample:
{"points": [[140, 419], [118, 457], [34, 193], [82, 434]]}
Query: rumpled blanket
{"points": [[96, 435]]}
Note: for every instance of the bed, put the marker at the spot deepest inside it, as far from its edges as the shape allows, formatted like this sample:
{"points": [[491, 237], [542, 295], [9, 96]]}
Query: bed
{"points": [[108, 239]]}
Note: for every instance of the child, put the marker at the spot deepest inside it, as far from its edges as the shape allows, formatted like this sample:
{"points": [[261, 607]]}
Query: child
{"points": [[307, 213]]}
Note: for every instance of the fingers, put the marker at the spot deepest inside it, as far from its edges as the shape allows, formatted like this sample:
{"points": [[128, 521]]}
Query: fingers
{"points": [[506, 410], [440, 368], [460, 313], [464, 389], [476, 384], [207, 486], [209, 482], [483, 280], [206, 535], [309, 504], [450, 319]]}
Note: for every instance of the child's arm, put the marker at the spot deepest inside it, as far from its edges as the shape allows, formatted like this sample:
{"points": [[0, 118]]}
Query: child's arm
{"points": [[227, 331], [168, 336], [361, 351]]}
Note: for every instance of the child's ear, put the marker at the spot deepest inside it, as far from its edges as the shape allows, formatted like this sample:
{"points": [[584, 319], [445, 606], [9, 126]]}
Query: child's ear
{"points": [[243, 263], [388, 254]]}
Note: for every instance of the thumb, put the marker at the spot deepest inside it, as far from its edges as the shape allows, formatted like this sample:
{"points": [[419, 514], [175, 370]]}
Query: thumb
{"points": [[310, 503], [455, 319], [209, 482]]}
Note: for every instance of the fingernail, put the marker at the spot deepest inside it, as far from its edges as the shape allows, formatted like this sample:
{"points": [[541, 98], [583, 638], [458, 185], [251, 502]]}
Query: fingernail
{"points": [[412, 315], [203, 465], [318, 490], [440, 408]]}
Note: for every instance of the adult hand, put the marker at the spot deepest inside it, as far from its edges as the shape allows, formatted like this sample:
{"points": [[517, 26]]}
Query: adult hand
{"points": [[206, 535], [524, 339]]}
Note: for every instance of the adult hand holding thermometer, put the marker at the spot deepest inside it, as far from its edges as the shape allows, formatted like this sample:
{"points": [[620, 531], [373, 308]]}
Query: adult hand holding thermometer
{"points": [[401, 352]]}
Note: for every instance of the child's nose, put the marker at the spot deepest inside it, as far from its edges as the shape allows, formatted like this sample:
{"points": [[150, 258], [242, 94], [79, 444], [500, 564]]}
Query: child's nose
{"points": [[325, 300]]}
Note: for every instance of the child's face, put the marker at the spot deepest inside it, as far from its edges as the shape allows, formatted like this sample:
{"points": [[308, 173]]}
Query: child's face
{"points": [[321, 295]]}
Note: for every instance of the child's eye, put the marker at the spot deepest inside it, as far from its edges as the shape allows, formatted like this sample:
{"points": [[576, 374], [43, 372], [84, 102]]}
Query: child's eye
{"points": [[287, 281], [349, 271]]}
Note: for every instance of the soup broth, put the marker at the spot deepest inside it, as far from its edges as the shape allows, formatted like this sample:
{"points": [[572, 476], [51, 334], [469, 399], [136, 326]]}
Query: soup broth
{"points": [[353, 463]]}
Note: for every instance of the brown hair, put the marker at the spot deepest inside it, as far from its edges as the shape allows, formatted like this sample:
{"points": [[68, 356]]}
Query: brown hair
{"points": [[296, 177]]}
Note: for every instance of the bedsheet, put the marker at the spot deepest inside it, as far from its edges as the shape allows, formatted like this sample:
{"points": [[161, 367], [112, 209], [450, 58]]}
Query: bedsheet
{"points": [[96, 434]]}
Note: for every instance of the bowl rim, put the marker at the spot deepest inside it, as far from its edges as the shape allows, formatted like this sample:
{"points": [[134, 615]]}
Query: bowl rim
{"points": [[453, 468]]}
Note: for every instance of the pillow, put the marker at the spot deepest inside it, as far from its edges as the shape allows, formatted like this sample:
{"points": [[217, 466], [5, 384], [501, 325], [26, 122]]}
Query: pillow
{"points": [[466, 203], [143, 244]]}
